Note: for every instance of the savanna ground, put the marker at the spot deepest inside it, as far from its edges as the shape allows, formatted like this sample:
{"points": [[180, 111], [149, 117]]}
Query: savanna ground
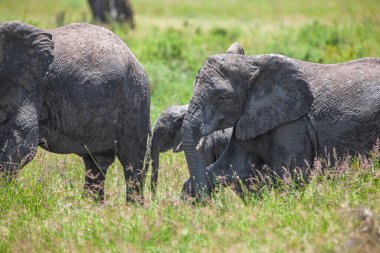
{"points": [[339, 211]]}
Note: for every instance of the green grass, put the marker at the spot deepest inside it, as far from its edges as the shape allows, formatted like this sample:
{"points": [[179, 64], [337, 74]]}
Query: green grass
{"points": [[44, 209]]}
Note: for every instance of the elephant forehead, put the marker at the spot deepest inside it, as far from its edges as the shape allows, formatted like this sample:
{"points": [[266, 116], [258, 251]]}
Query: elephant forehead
{"points": [[209, 78], [202, 91], [163, 124], [224, 64], [218, 73], [213, 86]]}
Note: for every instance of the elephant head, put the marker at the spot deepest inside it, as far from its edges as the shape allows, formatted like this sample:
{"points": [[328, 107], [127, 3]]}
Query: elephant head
{"points": [[166, 135], [26, 53], [254, 94]]}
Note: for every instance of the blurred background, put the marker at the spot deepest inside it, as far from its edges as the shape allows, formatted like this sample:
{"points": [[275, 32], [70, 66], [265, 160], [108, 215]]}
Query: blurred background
{"points": [[171, 38]]}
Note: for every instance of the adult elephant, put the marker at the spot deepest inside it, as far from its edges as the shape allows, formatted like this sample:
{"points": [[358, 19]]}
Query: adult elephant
{"points": [[117, 10], [284, 111], [76, 89], [167, 135]]}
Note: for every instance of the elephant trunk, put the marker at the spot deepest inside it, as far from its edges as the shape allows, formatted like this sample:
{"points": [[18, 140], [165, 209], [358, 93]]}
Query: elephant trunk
{"points": [[195, 157], [155, 155]]}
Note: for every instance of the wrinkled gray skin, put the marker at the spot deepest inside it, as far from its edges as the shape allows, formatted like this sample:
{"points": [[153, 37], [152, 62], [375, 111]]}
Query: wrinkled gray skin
{"points": [[167, 135], [117, 10], [75, 89], [284, 111]]}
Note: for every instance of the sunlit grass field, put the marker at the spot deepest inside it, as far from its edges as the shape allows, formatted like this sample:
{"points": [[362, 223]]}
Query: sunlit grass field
{"points": [[44, 209]]}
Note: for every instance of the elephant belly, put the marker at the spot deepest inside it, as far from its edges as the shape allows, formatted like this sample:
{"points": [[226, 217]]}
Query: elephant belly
{"points": [[347, 137], [289, 146], [89, 132]]}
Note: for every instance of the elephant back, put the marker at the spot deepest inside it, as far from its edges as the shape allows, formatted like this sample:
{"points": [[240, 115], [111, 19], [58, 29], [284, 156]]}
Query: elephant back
{"points": [[95, 79], [346, 106]]}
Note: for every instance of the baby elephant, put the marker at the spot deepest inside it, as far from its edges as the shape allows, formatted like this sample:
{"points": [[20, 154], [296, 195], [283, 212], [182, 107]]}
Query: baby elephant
{"points": [[167, 135]]}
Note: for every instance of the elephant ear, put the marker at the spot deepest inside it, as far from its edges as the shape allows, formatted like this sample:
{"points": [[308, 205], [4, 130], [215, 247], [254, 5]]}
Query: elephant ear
{"points": [[235, 48], [279, 94], [24, 50], [26, 53], [177, 143], [178, 117]]}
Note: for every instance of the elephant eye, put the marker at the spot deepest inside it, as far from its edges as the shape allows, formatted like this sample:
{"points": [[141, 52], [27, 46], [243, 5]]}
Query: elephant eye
{"points": [[224, 98]]}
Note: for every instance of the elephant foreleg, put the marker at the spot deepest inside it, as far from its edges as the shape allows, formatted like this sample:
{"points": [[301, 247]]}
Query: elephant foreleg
{"points": [[290, 151], [233, 166]]}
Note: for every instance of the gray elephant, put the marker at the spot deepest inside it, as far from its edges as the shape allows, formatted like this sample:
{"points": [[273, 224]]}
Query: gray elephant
{"points": [[284, 111], [75, 89], [167, 135], [117, 10]]}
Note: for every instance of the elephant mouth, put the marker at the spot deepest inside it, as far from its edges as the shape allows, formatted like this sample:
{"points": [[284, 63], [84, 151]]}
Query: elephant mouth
{"points": [[207, 130]]}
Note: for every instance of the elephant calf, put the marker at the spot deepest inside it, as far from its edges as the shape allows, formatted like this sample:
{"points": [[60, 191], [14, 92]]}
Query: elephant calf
{"points": [[167, 135], [75, 89]]}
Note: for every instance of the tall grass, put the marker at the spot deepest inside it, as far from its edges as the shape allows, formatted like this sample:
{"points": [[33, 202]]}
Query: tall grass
{"points": [[338, 211], [43, 210]]}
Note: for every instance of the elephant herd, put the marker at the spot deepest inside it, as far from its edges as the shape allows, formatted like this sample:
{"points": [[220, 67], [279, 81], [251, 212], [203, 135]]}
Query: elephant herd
{"points": [[79, 89]]}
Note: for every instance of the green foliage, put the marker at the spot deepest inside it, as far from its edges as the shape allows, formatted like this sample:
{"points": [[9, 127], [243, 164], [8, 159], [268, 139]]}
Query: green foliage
{"points": [[337, 211], [319, 42]]}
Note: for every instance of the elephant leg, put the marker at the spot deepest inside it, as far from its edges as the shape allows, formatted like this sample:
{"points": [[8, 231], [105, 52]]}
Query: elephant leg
{"points": [[234, 166], [254, 176], [290, 152], [131, 151], [96, 169], [134, 173], [133, 129], [99, 9]]}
